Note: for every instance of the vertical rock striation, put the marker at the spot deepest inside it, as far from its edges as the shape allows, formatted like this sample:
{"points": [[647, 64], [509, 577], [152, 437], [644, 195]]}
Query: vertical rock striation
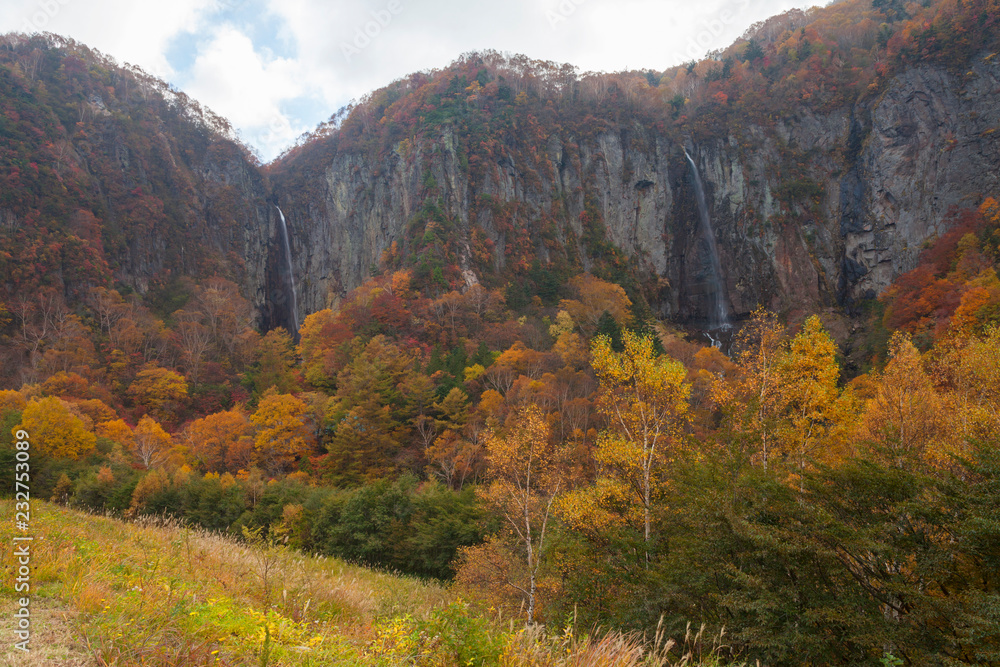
{"points": [[875, 181]]}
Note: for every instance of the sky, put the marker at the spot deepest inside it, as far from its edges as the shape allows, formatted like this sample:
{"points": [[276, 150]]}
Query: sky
{"points": [[278, 68]]}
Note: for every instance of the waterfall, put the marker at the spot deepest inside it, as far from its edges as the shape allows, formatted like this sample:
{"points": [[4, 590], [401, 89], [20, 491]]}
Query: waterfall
{"points": [[718, 312], [291, 278]]}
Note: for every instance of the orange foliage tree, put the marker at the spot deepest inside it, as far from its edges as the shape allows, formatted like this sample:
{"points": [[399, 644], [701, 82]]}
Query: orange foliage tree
{"points": [[526, 476], [55, 431], [283, 431], [320, 338], [594, 298], [217, 439], [119, 432]]}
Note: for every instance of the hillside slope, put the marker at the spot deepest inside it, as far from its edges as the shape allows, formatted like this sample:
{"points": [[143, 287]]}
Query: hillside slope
{"points": [[155, 593], [113, 178]]}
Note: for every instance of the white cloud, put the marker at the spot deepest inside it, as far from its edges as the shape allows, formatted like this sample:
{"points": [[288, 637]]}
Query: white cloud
{"points": [[247, 87], [595, 35], [137, 32], [240, 83]]}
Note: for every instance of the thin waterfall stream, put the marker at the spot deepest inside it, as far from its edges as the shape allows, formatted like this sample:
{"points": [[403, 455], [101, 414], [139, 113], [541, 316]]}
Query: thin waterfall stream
{"points": [[291, 278], [718, 311]]}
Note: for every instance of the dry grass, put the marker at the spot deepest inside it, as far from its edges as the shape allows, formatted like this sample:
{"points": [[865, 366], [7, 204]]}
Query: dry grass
{"points": [[533, 647], [54, 640], [152, 592]]}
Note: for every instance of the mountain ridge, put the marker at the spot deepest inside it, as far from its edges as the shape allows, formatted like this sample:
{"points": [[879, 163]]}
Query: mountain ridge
{"points": [[815, 134]]}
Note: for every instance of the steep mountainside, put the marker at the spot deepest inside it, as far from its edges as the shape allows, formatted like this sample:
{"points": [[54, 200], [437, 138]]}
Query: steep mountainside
{"points": [[110, 177], [832, 144]]}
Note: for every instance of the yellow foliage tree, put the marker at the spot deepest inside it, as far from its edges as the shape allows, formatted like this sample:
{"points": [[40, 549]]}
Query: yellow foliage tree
{"points": [[311, 347], [906, 417], [11, 400], [751, 396], [283, 433], [569, 344], [55, 431], [95, 409], [154, 482], [645, 400], [971, 366], [160, 390], [808, 397], [564, 324]]}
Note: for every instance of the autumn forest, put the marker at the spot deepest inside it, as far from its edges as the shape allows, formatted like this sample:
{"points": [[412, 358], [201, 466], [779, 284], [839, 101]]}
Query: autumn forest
{"points": [[521, 421]]}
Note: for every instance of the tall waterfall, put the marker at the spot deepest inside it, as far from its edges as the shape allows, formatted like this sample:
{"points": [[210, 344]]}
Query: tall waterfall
{"points": [[718, 311], [291, 278]]}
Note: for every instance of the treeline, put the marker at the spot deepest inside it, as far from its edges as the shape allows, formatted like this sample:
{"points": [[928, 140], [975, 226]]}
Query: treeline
{"points": [[403, 525], [816, 522]]}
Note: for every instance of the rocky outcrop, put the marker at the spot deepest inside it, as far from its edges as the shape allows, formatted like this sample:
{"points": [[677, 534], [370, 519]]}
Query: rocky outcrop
{"points": [[931, 145], [208, 213], [875, 182]]}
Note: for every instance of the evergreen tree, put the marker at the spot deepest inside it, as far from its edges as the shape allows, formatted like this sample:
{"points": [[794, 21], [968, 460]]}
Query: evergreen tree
{"points": [[607, 325]]}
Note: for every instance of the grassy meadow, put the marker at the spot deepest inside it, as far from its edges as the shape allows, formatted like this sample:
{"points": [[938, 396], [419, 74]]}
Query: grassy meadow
{"points": [[152, 592]]}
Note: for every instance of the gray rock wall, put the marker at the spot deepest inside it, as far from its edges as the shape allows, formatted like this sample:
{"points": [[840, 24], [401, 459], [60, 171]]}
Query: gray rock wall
{"points": [[877, 182]]}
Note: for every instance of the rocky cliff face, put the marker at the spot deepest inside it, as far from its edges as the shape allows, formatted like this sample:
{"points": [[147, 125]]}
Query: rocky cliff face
{"points": [[340, 238], [931, 144], [214, 218], [873, 183], [111, 178], [810, 211]]}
